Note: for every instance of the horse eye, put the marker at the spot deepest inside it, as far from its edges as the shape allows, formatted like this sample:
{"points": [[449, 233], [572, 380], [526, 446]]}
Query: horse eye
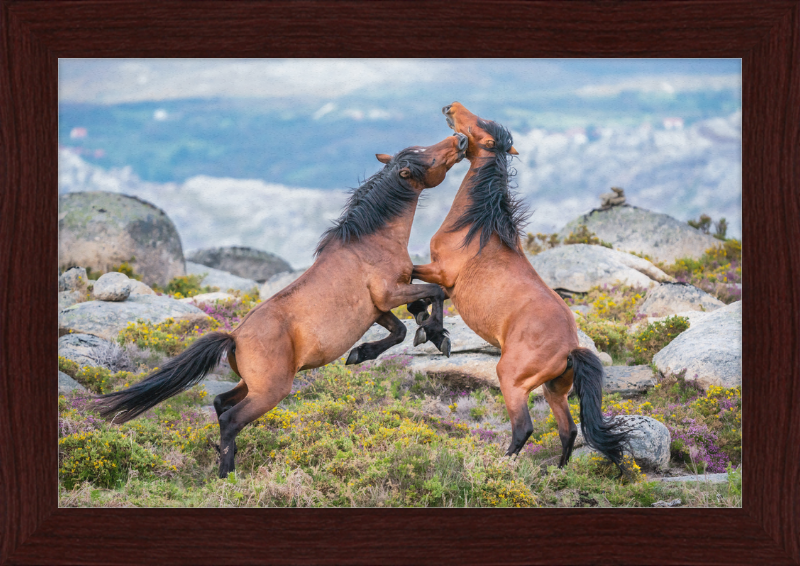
{"points": [[490, 143]]}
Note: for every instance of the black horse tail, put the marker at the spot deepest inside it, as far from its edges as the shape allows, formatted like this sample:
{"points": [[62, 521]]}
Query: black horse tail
{"points": [[178, 374], [604, 435]]}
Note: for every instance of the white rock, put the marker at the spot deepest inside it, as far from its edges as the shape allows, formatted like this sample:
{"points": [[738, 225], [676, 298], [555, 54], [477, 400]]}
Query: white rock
{"points": [[605, 359], [107, 319], [223, 280], [710, 351], [633, 229], [112, 286], [73, 279], [649, 441], [139, 288], [207, 298], [67, 385], [671, 298], [580, 267]]}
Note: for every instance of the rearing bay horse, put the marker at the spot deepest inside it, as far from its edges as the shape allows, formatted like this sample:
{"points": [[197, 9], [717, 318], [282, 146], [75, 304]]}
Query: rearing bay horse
{"points": [[477, 257], [362, 263]]}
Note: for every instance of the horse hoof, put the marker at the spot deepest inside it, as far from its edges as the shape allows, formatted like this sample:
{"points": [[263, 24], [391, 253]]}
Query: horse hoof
{"points": [[353, 357], [445, 347], [420, 337], [421, 317]]}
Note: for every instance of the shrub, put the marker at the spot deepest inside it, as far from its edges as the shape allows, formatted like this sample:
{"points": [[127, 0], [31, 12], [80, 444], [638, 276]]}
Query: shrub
{"points": [[583, 236], [714, 272], [655, 336], [540, 242], [185, 286], [230, 313], [170, 336], [609, 336], [103, 458], [101, 380], [616, 303], [68, 366]]}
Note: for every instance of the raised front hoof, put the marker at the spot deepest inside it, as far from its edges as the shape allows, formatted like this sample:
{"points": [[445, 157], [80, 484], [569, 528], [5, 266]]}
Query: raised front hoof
{"points": [[353, 358], [420, 337], [444, 348], [422, 317]]}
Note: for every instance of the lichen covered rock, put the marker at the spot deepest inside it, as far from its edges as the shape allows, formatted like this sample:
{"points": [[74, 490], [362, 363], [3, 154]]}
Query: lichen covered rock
{"points": [[104, 230]]}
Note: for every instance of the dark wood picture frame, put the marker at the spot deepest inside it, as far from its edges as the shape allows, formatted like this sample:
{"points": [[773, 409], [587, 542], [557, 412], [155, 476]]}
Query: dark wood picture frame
{"points": [[765, 35]]}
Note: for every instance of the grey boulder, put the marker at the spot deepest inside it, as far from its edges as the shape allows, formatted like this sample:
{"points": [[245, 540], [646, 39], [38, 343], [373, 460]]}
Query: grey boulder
{"points": [[710, 351], [73, 279], [223, 280], [81, 348], [472, 359], [580, 267], [139, 288], [102, 230], [649, 441], [67, 385], [672, 298], [106, 320], [69, 298], [112, 287], [633, 229], [241, 261], [628, 380]]}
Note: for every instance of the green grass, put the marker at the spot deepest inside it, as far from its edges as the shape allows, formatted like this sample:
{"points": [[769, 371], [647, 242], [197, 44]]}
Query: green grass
{"points": [[380, 436]]}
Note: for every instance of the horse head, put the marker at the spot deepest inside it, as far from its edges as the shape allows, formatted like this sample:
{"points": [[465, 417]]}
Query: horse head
{"points": [[483, 135], [425, 167]]}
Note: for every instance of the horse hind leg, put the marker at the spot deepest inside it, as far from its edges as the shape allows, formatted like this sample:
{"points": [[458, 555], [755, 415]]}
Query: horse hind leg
{"points": [[555, 392], [371, 350], [225, 401], [232, 421]]}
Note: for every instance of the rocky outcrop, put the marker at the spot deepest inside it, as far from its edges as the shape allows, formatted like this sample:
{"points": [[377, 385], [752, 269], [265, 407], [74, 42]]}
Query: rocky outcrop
{"points": [[615, 198], [672, 298], [208, 298], [710, 351], [67, 385], [73, 279], [222, 280], [241, 261], [103, 230], [81, 348], [628, 380], [649, 441], [69, 298], [278, 282], [106, 320], [139, 288], [472, 361], [580, 267], [633, 229], [112, 287]]}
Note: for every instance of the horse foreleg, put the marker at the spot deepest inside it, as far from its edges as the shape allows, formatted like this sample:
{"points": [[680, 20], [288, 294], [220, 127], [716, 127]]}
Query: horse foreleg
{"points": [[432, 329], [431, 273], [371, 350]]}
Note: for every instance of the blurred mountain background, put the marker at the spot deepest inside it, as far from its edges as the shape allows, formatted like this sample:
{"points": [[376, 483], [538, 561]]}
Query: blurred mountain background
{"points": [[261, 153]]}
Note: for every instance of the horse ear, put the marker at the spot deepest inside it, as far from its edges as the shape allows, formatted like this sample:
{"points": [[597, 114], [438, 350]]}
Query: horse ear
{"points": [[383, 158], [513, 151]]}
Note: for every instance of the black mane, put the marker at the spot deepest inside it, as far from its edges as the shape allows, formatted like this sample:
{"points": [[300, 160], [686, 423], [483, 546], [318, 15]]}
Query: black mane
{"points": [[495, 209], [380, 199]]}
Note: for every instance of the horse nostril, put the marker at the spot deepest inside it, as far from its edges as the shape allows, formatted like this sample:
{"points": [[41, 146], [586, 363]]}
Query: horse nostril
{"points": [[462, 141], [446, 109]]}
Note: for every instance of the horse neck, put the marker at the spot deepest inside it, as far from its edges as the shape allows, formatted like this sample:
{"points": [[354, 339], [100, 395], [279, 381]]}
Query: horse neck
{"points": [[399, 229], [463, 197]]}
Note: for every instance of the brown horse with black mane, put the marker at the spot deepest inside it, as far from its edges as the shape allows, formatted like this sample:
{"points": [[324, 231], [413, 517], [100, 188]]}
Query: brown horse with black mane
{"points": [[362, 264], [477, 257]]}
